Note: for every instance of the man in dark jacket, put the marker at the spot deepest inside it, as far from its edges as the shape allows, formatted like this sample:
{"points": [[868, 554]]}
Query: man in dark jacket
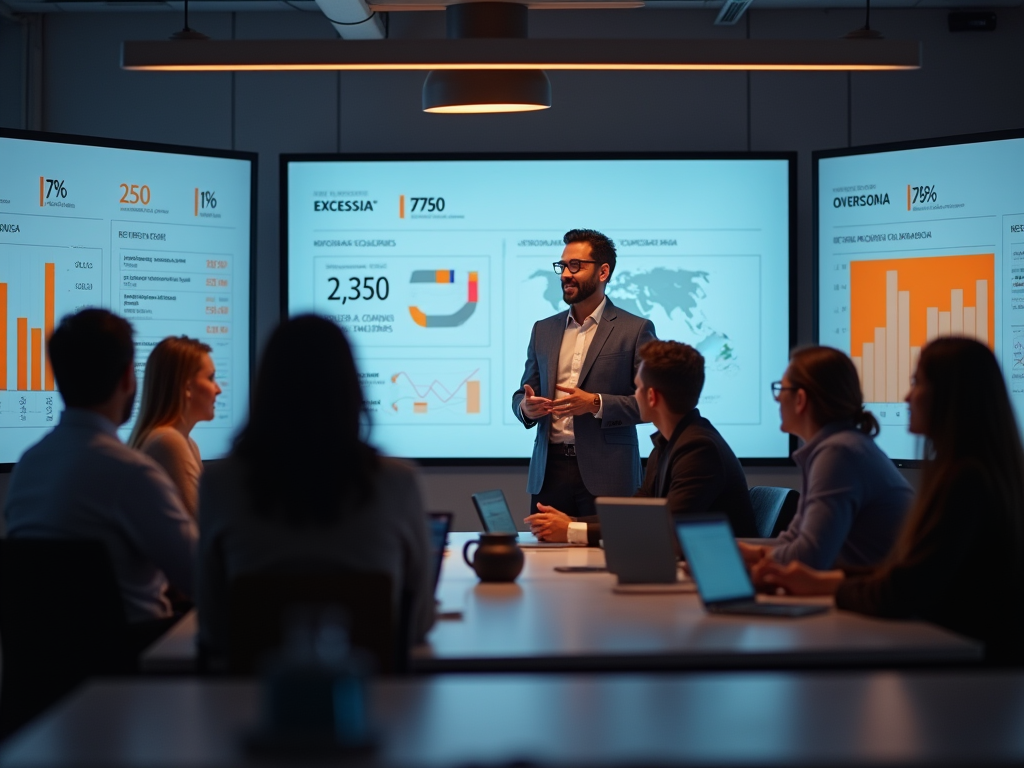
{"points": [[691, 464]]}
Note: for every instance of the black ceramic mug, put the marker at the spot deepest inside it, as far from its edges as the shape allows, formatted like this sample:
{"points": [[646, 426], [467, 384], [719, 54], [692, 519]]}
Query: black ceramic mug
{"points": [[497, 558]]}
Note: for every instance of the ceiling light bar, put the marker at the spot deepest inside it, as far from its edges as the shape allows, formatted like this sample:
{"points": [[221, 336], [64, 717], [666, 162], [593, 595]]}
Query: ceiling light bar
{"points": [[544, 54]]}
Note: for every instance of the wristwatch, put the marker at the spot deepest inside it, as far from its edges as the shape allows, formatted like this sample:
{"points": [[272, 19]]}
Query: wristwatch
{"points": [[597, 403]]}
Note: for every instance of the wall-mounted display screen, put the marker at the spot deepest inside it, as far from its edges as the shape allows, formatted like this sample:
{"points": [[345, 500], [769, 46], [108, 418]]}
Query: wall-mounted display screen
{"points": [[160, 235], [915, 242], [437, 268]]}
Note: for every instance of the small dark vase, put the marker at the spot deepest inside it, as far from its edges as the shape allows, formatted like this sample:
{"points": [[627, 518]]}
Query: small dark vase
{"points": [[497, 558]]}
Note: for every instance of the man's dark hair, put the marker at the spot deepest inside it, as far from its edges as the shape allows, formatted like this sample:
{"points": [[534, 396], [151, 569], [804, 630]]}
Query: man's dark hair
{"points": [[675, 370], [89, 353], [601, 248]]}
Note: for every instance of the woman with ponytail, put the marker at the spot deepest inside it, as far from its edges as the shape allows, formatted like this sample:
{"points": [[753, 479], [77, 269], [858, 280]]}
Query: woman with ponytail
{"points": [[959, 561], [852, 500]]}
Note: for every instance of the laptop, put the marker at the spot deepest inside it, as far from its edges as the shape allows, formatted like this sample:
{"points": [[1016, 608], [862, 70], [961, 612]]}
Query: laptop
{"points": [[438, 525], [639, 546], [715, 562], [496, 517]]}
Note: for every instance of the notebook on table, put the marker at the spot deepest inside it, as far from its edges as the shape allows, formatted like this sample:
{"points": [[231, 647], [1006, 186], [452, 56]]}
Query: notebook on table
{"points": [[716, 565], [496, 517]]}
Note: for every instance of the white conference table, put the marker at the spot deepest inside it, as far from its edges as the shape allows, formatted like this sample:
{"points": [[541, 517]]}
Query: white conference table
{"points": [[549, 621], [797, 719]]}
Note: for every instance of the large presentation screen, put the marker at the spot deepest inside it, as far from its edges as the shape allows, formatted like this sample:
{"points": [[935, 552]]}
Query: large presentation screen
{"points": [[915, 242], [160, 235], [437, 269]]}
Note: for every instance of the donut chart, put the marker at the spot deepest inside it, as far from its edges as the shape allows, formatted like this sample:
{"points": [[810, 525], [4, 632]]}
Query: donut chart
{"points": [[445, 277]]}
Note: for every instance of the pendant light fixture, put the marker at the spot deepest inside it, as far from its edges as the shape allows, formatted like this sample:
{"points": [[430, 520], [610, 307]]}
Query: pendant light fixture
{"points": [[186, 32], [865, 32], [480, 91]]}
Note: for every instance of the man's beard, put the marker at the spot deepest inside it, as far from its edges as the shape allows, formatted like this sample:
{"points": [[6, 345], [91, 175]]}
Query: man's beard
{"points": [[583, 290]]}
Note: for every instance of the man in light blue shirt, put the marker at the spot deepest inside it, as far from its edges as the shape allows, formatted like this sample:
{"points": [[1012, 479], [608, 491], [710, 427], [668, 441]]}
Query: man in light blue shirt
{"points": [[82, 482]]}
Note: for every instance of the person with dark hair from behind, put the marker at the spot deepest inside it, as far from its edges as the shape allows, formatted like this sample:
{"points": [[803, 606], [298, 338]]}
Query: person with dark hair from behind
{"points": [[82, 482], [691, 465], [853, 500], [179, 390], [959, 560], [302, 489]]}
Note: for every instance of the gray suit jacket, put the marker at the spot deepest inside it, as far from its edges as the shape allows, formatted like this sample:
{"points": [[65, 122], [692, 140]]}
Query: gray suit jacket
{"points": [[606, 448]]}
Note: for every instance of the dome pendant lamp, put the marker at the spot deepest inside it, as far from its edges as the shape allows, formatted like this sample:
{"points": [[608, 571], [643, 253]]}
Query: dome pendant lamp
{"points": [[486, 91]]}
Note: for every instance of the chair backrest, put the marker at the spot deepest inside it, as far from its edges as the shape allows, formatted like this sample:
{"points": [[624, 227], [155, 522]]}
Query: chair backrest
{"points": [[259, 605], [774, 509], [61, 621]]}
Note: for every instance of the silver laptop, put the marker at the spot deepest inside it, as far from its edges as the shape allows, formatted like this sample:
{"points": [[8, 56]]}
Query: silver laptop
{"points": [[639, 546], [496, 517], [717, 566]]}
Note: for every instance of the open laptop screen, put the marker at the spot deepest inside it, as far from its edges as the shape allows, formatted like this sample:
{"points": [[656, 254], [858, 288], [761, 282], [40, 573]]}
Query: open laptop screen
{"points": [[494, 513], [439, 523], [714, 560]]}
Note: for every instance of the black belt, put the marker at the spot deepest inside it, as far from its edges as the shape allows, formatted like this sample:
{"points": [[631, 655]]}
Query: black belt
{"points": [[562, 449]]}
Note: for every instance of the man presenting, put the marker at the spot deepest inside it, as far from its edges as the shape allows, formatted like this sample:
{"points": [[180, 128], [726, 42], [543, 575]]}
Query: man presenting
{"points": [[577, 390]]}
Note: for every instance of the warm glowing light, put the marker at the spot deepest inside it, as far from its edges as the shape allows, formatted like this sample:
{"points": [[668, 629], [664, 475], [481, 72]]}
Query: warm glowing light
{"points": [[522, 54], [480, 109], [602, 67]]}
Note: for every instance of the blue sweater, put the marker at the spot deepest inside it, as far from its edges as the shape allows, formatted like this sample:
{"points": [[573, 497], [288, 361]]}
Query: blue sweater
{"points": [[853, 502]]}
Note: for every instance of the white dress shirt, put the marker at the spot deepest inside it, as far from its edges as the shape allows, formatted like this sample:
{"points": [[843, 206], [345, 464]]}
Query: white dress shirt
{"points": [[82, 482], [575, 344]]}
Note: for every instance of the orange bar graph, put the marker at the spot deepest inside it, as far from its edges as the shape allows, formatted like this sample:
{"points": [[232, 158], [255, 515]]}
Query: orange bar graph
{"points": [[37, 359], [3, 336], [899, 305], [472, 397], [23, 353], [48, 319]]}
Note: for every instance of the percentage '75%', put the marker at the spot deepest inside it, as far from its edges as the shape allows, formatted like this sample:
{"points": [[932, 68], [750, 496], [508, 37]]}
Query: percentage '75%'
{"points": [[924, 194]]}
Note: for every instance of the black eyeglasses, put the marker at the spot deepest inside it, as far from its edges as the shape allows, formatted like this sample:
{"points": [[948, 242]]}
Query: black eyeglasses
{"points": [[778, 389], [573, 265]]}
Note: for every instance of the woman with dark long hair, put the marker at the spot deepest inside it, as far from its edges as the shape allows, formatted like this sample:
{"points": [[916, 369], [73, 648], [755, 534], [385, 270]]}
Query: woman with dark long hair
{"points": [[179, 390], [302, 488], [853, 501], [959, 561]]}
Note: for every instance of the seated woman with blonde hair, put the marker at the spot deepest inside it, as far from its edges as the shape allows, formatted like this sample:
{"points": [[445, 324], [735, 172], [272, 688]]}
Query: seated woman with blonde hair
{"points": [[959, 561], [178, 391]]}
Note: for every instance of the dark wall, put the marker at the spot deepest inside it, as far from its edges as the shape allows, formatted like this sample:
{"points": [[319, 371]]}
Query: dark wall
{"points": [[963, 87]]}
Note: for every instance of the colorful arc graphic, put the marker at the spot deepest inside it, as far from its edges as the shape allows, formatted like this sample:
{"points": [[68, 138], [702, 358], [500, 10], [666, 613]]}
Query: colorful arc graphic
{"points": [[445, 276]]}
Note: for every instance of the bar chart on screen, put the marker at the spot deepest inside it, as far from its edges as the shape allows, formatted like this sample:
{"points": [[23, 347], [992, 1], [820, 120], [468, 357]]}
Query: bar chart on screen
{"points": [[899, 305], [38, 286]]}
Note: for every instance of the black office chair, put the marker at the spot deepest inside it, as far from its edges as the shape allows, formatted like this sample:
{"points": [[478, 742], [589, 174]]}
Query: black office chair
{"points": [[774, 509], [259, 605], [61, 621]]}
